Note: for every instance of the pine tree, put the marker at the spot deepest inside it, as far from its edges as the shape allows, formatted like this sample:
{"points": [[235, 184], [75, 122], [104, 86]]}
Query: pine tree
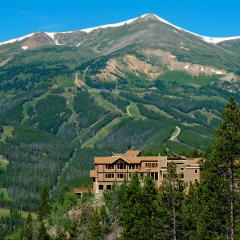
{"points": [[45, 206], [221, 176], [112, 203], [131, 214], [194, 212], [95, 229], [153, 227], [171, 199], [27, 231], [42, 232]]}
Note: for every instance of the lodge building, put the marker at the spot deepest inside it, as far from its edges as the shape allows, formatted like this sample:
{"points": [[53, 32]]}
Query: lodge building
{"points": [[119, 167]]}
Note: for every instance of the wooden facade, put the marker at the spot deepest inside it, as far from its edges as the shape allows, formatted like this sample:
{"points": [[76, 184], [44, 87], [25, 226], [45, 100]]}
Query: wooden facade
{"points": [[119, 167]]}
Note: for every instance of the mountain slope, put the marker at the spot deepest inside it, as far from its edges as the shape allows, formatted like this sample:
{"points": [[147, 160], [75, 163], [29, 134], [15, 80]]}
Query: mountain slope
{"points": [[66, 97]]}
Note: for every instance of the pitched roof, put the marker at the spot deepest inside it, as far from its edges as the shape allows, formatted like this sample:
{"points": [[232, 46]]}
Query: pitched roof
{"points": [[93, 173], [132, 157], [133, 153], [127, 158], [194, 161], [80, 190], [138, 159]]}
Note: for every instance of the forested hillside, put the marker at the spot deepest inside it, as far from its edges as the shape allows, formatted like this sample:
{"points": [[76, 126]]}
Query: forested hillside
{"points": [[204, 210], [144, 85]]}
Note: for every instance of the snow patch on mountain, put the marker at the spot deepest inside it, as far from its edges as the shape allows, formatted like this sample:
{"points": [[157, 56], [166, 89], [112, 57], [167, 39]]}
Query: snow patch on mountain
{"points": [[24, 47], [88, 30], [17, 39], [216, 40], [207, 39], [52, 35]]}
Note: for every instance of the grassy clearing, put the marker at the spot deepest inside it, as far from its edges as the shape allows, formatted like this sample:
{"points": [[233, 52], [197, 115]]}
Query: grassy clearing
{"points": [[64, 81], [102, 102], [3, 162], [101, 134], [178, 147], [26, 106], [4, 212], [185, 78], [133, 111], [5, 194], [157, 110], [7, 132], [68, 94], [194, 139]]}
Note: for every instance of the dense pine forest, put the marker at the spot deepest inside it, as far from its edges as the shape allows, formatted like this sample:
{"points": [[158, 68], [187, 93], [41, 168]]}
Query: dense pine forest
{"points": [[207, 210]]}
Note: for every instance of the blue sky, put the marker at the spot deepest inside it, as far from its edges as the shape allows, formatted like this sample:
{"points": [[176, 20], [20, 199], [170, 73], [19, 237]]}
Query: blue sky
{"points": [[206, 17]]}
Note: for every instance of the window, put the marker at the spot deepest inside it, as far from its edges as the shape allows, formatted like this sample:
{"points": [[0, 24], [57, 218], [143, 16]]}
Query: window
{"points": [[133, 166], [154, 176], [109, 187], [196, 171], [164, 175], [151, 165], [196, 181], [129, 175], [182, 169], [109, 166], [109, 175], [121, 166], [100, 187], [141, 176], [120, 175]]}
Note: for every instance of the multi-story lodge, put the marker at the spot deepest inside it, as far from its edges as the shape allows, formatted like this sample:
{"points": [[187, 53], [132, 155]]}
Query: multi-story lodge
{"points": [[120, 167]]}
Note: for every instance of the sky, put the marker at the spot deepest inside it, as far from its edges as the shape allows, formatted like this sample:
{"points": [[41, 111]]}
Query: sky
{"points": [[215, 18]]}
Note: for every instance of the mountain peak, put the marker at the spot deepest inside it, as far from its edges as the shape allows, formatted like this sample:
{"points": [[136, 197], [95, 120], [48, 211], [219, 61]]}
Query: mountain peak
{"points": [[145, 17], [150, 16]]}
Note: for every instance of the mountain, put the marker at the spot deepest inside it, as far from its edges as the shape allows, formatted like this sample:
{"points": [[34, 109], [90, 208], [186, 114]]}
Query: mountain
{"points": [[67, 97]]}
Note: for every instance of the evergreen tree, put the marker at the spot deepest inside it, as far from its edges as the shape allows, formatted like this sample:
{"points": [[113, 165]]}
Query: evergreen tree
{"points": [[62, 236], [131, 214], [153, 227], [94, 227], [139, 210], [221, 177], [45, 206], [42, 232], [171, 200], [1, 129], [193, 212], [113, 199], [27, 231]]}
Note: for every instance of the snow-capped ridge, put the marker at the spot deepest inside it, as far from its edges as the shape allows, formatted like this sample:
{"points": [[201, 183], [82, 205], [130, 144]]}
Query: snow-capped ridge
{"points": [[17, 39], [53, 35], [207, 39], [89, 30]]}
